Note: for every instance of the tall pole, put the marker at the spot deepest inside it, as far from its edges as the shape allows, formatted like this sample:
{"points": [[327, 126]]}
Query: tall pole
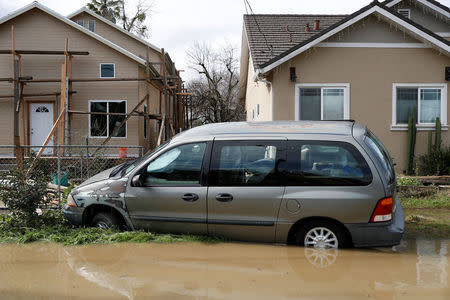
{"points": [[166, 96], [16, 116], [15, 75], [147, 85]]}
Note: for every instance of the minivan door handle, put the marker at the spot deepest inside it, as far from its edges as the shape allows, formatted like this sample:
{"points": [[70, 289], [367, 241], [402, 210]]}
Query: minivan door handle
{"points": [[224, 197], [190, 197]]}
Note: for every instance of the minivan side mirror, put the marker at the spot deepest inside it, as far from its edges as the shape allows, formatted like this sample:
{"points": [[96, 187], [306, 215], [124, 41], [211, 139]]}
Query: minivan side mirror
{"points": [[137, 181]]}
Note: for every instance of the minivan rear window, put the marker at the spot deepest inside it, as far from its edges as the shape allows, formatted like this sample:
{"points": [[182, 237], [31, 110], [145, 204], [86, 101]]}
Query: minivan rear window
{"points": [[379, 151], [326, 163]]}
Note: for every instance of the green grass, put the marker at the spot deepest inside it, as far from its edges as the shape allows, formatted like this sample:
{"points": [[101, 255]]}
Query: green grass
{"points": [[53, 228], [439, 200], [427, 216], [430, 223], [83, 236]]}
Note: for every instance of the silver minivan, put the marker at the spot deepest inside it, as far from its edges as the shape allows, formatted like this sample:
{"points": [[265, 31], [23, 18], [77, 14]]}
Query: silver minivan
{"points": [[323, 184]]}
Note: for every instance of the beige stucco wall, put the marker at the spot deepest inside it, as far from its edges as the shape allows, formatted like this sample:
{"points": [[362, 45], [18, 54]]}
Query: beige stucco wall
{"points": [[36, 30], [372, 30], [257, 93], [119, 38], [371, 74]]}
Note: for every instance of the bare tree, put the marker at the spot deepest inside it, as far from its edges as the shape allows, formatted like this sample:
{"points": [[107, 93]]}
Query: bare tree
{"points": [[216, 88], [104, 8], [131, 20]]}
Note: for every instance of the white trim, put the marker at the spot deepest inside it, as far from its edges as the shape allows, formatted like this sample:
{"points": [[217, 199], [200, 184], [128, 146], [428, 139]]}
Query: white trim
{"points": [[357, 18], [89, 26], [373, 45], [104, 20], [426, 3], [100, 69], [107, 120], [322, 86], [406, 10], [443, 34], [74, 25], [421, 126]]}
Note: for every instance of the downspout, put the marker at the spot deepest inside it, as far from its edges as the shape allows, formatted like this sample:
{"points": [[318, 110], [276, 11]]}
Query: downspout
{"points": [[259, 78]]}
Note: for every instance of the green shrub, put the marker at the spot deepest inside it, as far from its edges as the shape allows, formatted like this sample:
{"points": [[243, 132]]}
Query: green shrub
{"points": [[435, 163], [23, 193]]}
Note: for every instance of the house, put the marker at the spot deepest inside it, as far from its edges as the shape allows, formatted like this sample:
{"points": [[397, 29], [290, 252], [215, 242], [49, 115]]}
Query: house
{"points": [[112, 70], [372, 66]]}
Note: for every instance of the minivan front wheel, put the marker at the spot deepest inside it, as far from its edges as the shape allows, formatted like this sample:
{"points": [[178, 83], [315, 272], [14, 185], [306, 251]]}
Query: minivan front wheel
{"points": [[105, 220], [321, 235]]}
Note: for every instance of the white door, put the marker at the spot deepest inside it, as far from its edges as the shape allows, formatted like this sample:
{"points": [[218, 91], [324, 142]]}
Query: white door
{"points": [[41, 122]]}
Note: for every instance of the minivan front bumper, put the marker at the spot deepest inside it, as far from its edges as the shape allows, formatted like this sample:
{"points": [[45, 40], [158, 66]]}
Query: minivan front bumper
{"points": [[379, 234], [74, 214]]}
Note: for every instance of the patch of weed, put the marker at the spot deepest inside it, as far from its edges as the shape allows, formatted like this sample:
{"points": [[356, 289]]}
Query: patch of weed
{"points": [[439, 200]]}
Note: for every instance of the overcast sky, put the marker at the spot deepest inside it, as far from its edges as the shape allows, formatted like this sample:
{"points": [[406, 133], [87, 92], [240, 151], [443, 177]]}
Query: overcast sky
{"points": [[176, 24]]}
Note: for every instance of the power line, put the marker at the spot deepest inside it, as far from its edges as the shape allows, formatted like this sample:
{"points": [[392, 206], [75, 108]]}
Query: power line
{"points": [[270, 47]]}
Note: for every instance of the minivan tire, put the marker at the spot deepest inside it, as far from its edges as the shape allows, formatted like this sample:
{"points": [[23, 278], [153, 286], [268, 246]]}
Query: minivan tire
{"points": [[343, 240], [105, 220]]}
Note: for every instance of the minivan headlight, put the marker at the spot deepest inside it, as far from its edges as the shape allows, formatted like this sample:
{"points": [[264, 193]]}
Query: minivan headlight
{"points": [[70, 201]]}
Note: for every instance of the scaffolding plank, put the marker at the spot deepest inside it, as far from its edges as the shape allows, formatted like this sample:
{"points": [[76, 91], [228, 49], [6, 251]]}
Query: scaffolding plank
{"points": [[44, 52]]}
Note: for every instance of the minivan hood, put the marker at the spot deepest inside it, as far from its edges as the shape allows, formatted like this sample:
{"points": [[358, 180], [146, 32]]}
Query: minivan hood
{"points": [[98, 177]]}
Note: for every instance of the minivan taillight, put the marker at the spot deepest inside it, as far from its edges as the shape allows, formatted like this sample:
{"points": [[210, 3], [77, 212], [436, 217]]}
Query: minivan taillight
{"points": [[383, 211]]}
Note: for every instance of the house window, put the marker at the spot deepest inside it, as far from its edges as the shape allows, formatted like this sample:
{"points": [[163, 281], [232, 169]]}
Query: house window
{"points": [[257, 109], [253, 114], [430, 101], [322, 102], [404, 12], [80, 22], [103, 125], [91, 26], [107, 70]]}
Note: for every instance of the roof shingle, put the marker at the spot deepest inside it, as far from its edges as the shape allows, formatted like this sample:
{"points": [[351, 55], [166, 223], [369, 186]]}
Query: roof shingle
{"points": [[282, 32]]}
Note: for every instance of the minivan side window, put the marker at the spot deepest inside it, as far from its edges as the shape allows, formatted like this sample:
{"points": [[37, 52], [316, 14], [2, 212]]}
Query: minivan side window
{"points": [[177, 166], [244, 163], [325, 163]]}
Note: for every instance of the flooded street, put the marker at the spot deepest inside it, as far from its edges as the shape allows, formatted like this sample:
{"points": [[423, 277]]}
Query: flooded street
{"points": [[417, 269]]}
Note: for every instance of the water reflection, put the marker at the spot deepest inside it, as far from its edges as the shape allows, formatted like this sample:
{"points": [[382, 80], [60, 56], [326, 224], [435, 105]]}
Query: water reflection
{"points": [[416, 269], [321, 258], [432, 265]]}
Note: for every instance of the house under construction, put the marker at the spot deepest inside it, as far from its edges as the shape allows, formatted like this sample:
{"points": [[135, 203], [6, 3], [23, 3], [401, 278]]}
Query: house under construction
{"points": [[83, 79]]}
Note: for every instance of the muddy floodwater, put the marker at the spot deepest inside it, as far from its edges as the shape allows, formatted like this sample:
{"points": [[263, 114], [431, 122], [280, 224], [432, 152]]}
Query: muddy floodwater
{"points": [[417, 269]]}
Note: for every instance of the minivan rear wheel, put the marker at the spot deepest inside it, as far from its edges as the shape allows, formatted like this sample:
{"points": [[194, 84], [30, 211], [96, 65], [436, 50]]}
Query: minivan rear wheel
{"points": [[105, 220], [322, 234]]}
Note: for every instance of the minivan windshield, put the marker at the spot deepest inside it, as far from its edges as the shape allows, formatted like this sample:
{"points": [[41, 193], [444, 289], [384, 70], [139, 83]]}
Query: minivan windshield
{"points": [[377, 148], [129, 166]]}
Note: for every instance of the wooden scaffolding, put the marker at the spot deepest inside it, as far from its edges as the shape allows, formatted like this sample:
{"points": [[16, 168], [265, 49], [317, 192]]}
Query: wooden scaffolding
{"points": [[168, 82]]}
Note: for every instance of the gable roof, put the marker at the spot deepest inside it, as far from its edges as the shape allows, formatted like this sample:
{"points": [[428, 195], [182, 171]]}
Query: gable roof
{"points": [[417, 30], [435, 5], [84, 9], [279, 30], [65, 20]]}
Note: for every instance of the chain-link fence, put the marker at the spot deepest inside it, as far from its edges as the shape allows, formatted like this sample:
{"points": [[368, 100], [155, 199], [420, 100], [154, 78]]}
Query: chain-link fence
{"points": [[71, 164]]}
